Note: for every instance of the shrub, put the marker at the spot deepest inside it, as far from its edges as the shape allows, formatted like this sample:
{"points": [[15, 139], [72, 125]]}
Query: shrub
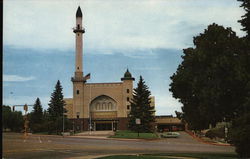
{"points": [[240, 135], [215, 132]]}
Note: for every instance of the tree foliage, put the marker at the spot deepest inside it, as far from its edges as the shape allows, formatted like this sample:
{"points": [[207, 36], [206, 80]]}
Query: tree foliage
{"points": [[239, 135], [12, 120], [210, 82], [240, 130], [37, 113], [36, 117], [6, 113], [140, 108], [245, 21], [56, 105], [56, 109]]}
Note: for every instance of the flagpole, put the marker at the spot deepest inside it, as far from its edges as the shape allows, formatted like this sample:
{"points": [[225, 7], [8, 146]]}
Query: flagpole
{"points": [[90, 126]]}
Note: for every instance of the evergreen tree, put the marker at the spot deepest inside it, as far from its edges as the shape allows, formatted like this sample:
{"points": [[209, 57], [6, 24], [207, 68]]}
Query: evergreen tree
{"points": [[245, 21], [36, 116], [56, 108], [37, 113], [140, 108]]}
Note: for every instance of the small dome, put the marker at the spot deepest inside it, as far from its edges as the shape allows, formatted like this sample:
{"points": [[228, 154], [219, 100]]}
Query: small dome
{"points": [[127, 74]]}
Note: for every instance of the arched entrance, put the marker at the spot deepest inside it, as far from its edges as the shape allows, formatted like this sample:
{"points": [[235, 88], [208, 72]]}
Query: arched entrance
{"points": [[103, 113]]}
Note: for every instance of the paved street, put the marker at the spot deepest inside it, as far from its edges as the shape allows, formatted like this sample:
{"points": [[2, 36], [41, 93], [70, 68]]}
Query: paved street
{"points": [[42, 146]]}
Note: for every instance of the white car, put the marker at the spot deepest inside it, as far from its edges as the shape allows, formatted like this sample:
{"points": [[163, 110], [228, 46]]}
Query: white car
{"points": [[170, 135]]}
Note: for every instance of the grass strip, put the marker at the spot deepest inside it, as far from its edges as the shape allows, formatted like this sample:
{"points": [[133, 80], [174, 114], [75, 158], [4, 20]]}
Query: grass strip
{"points": [[134, 135]]}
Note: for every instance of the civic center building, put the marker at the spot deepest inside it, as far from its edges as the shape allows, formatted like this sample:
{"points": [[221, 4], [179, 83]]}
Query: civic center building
{"points": [[97, 106]]}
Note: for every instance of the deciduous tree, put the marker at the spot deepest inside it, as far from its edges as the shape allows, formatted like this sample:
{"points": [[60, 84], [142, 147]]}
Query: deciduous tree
{"points": [[210, 82]]}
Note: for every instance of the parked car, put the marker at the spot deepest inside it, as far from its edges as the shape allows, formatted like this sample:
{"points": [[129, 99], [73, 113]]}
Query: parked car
{"points": [[170, 135]]}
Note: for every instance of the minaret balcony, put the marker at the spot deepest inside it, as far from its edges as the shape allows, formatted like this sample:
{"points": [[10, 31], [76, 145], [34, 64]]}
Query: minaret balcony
{"points": [[78, 30], [78, 79]]}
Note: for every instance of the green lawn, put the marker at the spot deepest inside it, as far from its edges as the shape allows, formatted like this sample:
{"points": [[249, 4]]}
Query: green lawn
{"points": [[134, 135], [174, 155]]}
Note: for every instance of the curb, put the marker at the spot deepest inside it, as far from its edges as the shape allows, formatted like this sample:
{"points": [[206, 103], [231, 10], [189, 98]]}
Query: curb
{"points": [[93, 137], [206, 142], [59, 136], [104, 138]]}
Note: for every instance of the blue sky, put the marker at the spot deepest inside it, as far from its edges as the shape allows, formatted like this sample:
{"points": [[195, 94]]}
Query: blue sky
{"points": [[146, 36]]}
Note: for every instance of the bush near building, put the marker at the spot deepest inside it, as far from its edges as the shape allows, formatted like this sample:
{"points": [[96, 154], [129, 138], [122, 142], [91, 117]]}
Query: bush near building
{"points": [[216, 133]]}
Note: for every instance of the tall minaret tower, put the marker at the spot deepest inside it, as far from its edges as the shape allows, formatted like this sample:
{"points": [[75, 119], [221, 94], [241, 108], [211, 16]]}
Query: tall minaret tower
{"points": [[79, 30], [78, 79]]}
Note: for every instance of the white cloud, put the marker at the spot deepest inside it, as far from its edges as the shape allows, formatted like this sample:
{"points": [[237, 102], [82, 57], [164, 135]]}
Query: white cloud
{"points": [[166, 104], [114, 24], [16, 78]]}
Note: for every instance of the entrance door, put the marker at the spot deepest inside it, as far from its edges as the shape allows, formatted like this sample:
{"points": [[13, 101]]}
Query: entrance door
{"points": [[103, 126]]}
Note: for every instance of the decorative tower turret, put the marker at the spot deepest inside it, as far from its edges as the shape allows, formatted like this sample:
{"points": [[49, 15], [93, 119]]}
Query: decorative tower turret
{"points": [[127, 91]]}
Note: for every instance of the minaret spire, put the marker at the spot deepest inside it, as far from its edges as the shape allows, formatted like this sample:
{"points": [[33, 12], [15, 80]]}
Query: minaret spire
{"points": [[79, 12]]}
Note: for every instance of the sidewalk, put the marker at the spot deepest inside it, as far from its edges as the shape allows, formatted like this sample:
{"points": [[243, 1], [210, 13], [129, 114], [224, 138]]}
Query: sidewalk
{"points": [[207, 142]]}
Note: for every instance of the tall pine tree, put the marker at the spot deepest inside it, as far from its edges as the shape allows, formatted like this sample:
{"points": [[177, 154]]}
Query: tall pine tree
{"points": [[140, 108], [56, 105], [56, 109], [37, 113], [36, 116], [245, 21]]}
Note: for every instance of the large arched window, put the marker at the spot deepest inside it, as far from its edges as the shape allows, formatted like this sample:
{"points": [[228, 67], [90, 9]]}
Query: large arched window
{"points": [[103, 103]]}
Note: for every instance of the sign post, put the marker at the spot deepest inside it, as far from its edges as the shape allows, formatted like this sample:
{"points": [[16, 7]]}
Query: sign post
{"points": [[26, 121], [138, 122], [226, 133]]}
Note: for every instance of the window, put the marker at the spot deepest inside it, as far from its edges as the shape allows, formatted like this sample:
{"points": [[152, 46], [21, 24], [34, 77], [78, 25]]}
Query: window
{"points": [[77, 91], [103, 106], [77, 116], [128, 107], [110, 106], [78, 26], [127, 98], [127, 90]]}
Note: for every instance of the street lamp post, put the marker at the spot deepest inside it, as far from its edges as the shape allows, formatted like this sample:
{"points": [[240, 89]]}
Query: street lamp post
{"points": [[138, 122]]}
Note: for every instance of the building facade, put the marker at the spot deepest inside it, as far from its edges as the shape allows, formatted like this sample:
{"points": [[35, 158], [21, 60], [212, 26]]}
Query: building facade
{"points": [[97, 106], [103, 106]]}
